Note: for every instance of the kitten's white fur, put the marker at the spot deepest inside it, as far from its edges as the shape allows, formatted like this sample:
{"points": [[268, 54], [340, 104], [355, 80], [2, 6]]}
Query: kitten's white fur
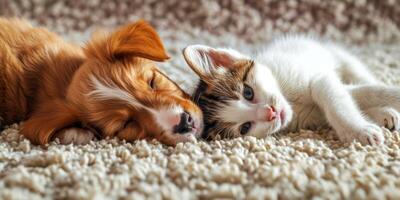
{"points": [[315, 83]]}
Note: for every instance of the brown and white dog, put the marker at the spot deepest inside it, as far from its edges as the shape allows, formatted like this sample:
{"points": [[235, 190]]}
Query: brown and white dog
{"points": [[108, 87]]}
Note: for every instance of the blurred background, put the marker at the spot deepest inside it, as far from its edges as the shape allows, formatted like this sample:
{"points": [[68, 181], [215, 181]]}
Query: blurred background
{"points": [[241, 24], [251, 20]]}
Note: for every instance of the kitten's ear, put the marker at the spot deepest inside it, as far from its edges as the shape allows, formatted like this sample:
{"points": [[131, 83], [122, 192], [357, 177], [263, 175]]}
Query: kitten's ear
{"points": [[206, 61]]}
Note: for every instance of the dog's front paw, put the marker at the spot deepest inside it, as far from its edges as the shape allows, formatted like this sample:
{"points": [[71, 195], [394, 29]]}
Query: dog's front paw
{"points": [[77, 136], [368, 134], [385, 116]]}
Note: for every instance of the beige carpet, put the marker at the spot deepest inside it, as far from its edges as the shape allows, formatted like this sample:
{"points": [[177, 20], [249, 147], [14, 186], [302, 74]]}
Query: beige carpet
{"points": [[301, 165]]}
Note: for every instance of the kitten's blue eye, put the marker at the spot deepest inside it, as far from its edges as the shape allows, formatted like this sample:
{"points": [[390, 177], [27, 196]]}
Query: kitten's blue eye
{"points": [[248, 92], [244, 128]]}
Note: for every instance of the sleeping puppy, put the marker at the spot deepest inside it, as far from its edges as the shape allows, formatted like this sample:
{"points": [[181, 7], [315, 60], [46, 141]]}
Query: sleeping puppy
{"points": [[109, 87]]}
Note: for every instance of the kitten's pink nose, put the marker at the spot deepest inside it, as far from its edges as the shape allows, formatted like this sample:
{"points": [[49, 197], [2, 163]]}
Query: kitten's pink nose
{"points": [[270, 113]]}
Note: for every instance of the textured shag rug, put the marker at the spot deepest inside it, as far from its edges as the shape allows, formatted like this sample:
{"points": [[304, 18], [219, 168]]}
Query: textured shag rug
{"points": [[302, 165]]}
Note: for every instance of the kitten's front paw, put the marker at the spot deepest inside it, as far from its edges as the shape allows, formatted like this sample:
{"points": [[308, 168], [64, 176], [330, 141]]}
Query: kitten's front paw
{"points": [[368, 134], [77, 136], [385, 116]]}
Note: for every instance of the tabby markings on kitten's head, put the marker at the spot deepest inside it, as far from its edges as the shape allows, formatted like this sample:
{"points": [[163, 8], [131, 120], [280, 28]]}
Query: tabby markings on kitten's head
{"points": [[237, 96]]}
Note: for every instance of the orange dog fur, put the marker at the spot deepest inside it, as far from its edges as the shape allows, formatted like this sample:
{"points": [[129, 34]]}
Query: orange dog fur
{"points": [[109, 87]]}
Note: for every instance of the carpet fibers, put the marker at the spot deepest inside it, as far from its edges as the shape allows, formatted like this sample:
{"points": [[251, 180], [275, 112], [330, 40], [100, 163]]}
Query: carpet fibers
{"points": [[302, 165]]}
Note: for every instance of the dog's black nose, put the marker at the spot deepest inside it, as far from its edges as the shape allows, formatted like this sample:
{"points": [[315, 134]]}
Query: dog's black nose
{"points": [[186, 123]]}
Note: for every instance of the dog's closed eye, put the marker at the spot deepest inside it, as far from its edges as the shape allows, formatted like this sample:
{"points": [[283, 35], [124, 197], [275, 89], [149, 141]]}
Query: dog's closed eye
{"points": [[152, 82]]}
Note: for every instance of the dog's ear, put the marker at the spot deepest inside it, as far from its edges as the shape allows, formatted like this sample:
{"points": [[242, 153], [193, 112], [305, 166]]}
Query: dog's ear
{"points": [[47, 119], [134, 40]]}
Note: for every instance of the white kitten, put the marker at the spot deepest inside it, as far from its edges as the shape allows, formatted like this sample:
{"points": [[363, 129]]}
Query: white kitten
{"points": [[294, 83]]}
